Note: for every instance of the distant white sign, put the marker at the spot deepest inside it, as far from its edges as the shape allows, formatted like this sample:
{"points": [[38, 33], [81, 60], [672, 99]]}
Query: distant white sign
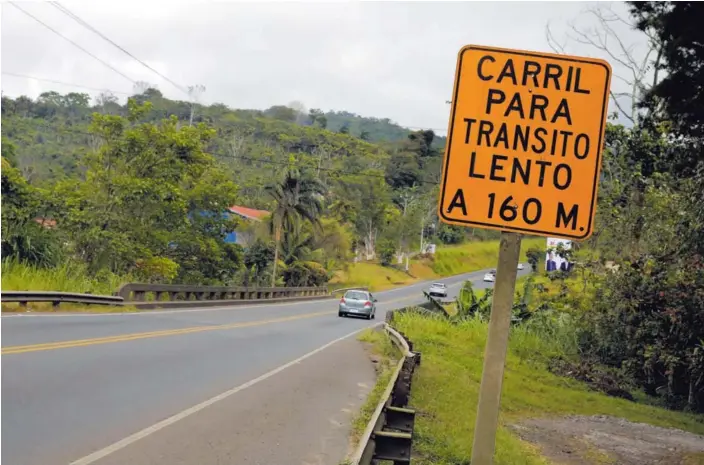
{"points": [[553, 242], [553, 261]]}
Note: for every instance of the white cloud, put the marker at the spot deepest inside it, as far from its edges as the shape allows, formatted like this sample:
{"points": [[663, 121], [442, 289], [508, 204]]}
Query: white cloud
{"points": [[392, 60]]}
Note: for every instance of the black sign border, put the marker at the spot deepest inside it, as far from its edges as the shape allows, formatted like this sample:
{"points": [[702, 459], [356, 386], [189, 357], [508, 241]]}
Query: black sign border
{"points": [[595, 183]]}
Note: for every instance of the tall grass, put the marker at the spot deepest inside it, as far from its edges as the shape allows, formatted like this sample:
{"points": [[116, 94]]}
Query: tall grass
{"points": [[371, 275], [474, 256], [447, 261], [67, 277], [446, 389]]}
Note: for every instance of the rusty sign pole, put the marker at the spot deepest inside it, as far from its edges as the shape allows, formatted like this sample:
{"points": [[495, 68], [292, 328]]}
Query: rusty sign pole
{"points": [[495, 352]]}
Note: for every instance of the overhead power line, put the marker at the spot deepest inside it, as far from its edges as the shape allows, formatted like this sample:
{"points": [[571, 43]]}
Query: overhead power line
{"points": [[72, 42], [83, 23], [25, 76]]}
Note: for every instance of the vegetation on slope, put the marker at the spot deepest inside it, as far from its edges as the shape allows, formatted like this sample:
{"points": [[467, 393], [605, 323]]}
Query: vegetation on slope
{"points": [[98, 174], [446, 387]]}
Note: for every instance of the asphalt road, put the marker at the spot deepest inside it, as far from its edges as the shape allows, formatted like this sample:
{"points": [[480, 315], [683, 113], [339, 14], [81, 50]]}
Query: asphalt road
{"points": [[128, 388]]}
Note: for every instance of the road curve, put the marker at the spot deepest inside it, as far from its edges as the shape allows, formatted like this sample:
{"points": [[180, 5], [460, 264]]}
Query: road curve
{"points": [[76, 385]]}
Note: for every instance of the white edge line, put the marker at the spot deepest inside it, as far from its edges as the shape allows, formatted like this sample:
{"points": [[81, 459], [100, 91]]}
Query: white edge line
{"points": [[97, 455]]}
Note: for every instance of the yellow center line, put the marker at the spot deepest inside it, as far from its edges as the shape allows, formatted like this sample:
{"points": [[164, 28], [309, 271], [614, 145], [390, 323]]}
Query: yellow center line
{"points": [[136, 336]]}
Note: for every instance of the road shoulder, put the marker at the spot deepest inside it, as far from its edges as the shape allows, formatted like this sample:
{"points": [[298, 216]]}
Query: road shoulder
{"points": [[302, 415]]}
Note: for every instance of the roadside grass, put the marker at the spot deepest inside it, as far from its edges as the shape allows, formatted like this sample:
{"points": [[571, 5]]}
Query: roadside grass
{"points": [[447, 261], [475, 256], [446, 387], [46, 307], [74, 277], [68, 277], [694, 459], [381, 346], [371, 275]]}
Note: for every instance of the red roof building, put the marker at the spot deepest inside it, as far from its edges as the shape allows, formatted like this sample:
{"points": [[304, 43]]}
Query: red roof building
{"points": [[244, 237], [249, 213]]}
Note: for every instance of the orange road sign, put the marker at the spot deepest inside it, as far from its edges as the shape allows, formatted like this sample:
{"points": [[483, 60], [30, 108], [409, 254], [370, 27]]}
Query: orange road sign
{"points": [[524, 142]]}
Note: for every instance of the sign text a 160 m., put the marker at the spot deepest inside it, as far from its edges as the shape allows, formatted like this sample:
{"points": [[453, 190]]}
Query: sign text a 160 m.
{"points": [[524, 142]]}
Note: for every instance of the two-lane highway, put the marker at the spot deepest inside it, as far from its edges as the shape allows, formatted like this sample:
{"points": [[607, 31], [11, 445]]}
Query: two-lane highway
{"points": [[84, 388]]}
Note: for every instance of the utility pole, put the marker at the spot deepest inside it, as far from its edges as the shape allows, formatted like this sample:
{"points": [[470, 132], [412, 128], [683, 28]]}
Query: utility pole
{"points": [[194, 92]]}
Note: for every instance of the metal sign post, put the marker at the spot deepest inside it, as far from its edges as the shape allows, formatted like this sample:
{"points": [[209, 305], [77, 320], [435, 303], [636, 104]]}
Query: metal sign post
{"points": [[495, 352]]}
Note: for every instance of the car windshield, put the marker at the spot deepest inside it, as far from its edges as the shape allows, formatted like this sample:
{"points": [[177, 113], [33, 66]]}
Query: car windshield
{"points": [[357, 295]]}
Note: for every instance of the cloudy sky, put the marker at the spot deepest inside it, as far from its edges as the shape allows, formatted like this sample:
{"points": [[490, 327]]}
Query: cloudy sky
{"points": [[393, 60]]}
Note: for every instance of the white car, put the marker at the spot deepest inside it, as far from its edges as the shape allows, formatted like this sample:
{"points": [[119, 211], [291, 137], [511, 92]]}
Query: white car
{"points": [[520, 266], [437, 290], [489, 278]]}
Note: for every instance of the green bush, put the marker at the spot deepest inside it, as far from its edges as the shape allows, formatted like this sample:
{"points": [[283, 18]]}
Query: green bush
{"points": [[70, 276], [451, 235], [535, 255], [648, 321], [386, 249]]}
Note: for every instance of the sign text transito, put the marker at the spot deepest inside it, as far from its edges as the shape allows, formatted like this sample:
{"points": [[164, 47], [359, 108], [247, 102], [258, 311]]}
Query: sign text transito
{"points": [[524, 142]]}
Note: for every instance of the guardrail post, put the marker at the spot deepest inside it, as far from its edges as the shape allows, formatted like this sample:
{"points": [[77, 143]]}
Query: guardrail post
{"points": [[401, 419], [393, 446]]}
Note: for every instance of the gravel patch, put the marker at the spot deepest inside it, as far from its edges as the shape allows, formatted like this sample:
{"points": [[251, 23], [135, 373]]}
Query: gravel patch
{"points": [[579, 440]]}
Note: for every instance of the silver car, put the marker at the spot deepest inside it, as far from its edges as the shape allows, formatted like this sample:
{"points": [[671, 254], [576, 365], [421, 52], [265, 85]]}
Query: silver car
{"points": [[437, 290], [360, 303]]}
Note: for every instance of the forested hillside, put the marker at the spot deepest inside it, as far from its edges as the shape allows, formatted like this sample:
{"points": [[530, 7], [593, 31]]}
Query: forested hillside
{"points": [[128, 184]]}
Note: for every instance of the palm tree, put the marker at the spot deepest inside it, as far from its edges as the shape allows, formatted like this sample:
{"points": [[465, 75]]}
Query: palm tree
{"points": [[297, 198]]}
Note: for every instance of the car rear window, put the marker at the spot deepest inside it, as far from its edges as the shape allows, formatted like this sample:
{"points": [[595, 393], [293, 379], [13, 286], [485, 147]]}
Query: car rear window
{"points": [[356, 295], [438, 285]]}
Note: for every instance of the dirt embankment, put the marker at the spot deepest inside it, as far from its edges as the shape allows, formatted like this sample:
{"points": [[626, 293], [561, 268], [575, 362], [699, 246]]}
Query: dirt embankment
{"points": [[602, 440]]}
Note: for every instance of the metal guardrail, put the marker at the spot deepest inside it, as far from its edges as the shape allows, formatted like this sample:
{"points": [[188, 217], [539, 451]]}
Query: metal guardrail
{"points": [[389, 433], [137, 292], [148, 296], [56, 298], [345, 289], [434, 302], [438, 304]]}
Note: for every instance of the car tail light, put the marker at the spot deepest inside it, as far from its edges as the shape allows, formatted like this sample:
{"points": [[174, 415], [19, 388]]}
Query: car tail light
{"points": [[367, 304], [342, 300]]}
